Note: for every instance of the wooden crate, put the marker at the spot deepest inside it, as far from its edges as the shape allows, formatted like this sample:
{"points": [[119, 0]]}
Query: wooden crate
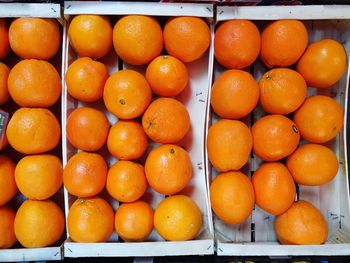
{"points": [[14, 10], [256, 235], [194, 97]]}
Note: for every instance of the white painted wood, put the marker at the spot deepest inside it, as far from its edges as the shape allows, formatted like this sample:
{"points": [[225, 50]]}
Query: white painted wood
{"points": [[194, 98], [321, 12], [133, 8], [333, 198], [274, 249], [140, 249], [44, 10], [30, 254], [30, 10]]}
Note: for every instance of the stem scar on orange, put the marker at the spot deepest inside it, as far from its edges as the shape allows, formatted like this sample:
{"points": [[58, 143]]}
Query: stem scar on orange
{"points": [[166, 120], [274, 137], [127, 94], [168, 169]]}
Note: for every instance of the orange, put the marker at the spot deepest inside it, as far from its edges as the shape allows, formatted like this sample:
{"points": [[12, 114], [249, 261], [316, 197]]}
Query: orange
{"points": [[4, 36], [274, 188], [234, 94], [34, 83], [134, 221], [229, 144], [90, 35], [7, 232], [90, 220], [85, 79], [168, 169], [39, 223], [319, 119], [137, 39], [8, 188], [3, 141], [85, 174], [127, 140], [323, 63], [32, 37], [126, 181], [274, 137], [127, 94], [4, 74], [237, 44], [177, 218], [166, 120], [313, 164], [87, 129], [282, 91], [39, 177], [186, 38], [283, 42], [232, 197], [33, 130], [301, 224], [167, 76]]}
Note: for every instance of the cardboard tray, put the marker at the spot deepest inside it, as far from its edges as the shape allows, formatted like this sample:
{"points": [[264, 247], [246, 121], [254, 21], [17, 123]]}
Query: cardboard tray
{"points": [[194, 97], [256, 235], [14, 10]]}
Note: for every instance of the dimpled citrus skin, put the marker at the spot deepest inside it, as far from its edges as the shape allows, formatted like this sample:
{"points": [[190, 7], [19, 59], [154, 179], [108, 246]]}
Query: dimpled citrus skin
{"points": [[177, 218], [39, 223], [33, 130]]}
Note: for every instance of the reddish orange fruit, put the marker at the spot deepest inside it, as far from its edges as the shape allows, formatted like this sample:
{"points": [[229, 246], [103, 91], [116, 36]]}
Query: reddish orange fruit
{"points": [[319, 119], [234, 94], [39, 177], [85, 79], [186, 38], [167, 76], [91, 35], [8, 187], [87, 129], [301, 224], [4, 74], [127, 140], [34, 83], [229, 144], [39, 223], [282, 91], [7, 231], [237, 44], [283, 42], [313, 164], [166, 120], [137, 39], [126, 181], [127, 94], [274, 137], [4, 36], [85, 174], [134, 221], [90, 220], [168, 169], [33, 130], [323, 63], [177, 218], [32, 37], [274, 188], [232, 197]]}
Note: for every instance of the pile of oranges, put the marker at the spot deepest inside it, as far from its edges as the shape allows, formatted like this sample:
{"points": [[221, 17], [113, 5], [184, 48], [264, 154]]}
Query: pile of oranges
{"points": [[289, 138], [33, 131], [147, 111]]}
